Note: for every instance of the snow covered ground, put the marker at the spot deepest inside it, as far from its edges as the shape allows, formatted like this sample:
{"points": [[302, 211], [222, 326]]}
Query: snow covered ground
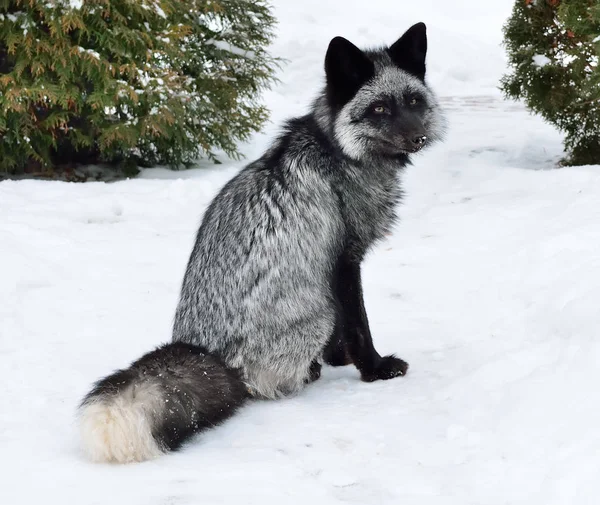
{"points": [[490, 288]]}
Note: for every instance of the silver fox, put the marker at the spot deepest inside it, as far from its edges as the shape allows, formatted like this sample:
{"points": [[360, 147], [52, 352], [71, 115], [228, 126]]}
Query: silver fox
{"points": [[273, 289]]}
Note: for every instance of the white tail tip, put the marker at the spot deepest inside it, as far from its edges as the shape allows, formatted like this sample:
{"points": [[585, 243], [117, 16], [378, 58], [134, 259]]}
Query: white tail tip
{"points": [[117, 429]]}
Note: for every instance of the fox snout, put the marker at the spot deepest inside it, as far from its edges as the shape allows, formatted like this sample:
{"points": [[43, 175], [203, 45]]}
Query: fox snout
{"points": [[418, 142], [409, 133]]}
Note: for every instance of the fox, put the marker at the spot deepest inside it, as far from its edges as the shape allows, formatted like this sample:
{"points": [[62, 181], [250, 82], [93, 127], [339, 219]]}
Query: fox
{"points": [[272, 290]]}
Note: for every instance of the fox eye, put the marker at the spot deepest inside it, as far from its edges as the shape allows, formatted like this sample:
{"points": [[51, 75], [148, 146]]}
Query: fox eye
{"points": [[379, 109], [413, 101]]}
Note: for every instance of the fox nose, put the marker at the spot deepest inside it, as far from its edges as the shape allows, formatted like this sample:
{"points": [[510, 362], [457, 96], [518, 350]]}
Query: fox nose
{"points": [[419, 141]]}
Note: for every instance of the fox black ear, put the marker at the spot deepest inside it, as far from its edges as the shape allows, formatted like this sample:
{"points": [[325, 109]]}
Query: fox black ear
{"points": [[409, 51], [346, 68]]}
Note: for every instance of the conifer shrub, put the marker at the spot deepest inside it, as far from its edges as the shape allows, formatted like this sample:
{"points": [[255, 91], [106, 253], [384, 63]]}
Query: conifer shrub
{"points": [[553, 48], [129, 82]]}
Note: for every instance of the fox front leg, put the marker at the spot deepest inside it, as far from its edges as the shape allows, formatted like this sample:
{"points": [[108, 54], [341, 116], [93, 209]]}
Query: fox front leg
{"points": [[352, 340]]}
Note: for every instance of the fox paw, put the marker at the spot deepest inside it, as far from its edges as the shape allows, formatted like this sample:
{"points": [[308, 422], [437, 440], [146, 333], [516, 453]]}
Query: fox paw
{"points": [[388, 368], [314, 372]]}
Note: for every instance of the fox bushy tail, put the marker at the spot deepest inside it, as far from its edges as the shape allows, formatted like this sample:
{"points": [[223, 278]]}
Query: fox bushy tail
{"points": [[158, 403]]}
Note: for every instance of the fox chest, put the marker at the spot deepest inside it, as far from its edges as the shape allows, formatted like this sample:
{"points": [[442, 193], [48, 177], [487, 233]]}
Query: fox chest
{"points": [[369, 214]]}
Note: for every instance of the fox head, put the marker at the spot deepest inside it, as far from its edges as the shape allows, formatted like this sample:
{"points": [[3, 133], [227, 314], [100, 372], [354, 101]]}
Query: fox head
{"points": [[380, 103]]}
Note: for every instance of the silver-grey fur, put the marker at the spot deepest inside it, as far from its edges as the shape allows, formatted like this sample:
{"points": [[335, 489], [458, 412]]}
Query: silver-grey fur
{"points": [[256, 291]]}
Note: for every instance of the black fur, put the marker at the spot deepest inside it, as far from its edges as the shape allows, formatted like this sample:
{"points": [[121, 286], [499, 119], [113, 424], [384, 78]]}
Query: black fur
{"points": [[352, 338], [347, 68], [409, 51]]}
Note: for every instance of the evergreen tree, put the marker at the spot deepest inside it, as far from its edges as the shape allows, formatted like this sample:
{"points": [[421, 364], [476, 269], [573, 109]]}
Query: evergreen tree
{"points": [[129, 82], [553, 48]]}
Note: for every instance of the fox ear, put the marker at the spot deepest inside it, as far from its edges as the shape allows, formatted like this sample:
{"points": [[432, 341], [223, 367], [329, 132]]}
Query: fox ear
{"points": [[346, 68], [409, 51]]}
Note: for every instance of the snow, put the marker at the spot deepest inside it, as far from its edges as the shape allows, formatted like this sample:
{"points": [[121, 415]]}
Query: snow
{"points": [[75, 4], [89, 51], [159, 11], [541, 60], [226, 46], [489, 288]]}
